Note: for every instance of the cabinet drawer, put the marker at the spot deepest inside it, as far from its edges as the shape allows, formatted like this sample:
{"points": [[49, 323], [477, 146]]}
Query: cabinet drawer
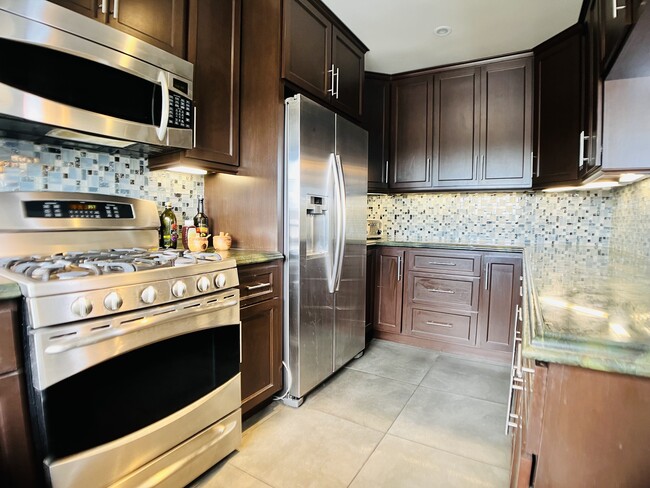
{"points": [[443, 326], [259, 282], [459, 293], [447, 262]]}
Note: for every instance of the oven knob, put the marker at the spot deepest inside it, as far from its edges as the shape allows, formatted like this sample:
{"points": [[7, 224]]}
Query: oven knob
{"points": [[82, 307], [148, 295], [203, 284], [113, 301], [178, 289], [220, 280]]}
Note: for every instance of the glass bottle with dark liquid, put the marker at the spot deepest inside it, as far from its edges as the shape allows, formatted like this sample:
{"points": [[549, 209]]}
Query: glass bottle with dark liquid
{"points": [[201, 220]]}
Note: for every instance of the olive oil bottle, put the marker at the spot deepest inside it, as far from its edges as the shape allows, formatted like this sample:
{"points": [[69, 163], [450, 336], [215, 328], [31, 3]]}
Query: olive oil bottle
{"points": [[168, 228]]}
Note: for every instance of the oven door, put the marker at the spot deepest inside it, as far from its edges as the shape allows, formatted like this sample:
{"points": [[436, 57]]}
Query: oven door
{"points": [[117, 394]]}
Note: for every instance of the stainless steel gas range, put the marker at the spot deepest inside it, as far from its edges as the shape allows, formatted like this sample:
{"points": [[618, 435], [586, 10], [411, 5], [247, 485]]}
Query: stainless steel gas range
{"points": [[132, 353]]}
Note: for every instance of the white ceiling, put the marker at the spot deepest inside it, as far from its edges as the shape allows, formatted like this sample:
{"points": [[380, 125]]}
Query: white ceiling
{"points": [[399, 33]]}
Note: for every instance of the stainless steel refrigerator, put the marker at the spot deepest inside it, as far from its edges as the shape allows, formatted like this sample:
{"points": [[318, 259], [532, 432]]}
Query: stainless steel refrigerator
{"points": [[325, 202]]}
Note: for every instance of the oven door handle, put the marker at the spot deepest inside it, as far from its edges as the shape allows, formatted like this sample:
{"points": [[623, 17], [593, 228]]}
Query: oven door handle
{"points": [[112, 332], [61, 352]]}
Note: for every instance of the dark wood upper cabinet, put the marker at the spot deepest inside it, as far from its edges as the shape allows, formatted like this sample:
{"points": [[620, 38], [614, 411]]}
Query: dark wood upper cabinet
{"points": [[506, 124], [321, 57], [593, 91], [214, 49], [558, 137], [376, 113], [162, 23], [456, 126], [615, 18], [306, 47], [411, 132], [348, 60], [89, 8]]}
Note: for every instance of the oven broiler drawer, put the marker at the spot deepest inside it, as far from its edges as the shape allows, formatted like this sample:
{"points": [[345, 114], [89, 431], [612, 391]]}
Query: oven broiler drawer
{"points": [[212, 423]]}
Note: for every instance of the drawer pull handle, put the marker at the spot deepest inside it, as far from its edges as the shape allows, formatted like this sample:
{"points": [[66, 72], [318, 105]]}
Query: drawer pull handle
{"points": [[517, 387], [438, 290], [440, 324], [256, 287], [441, 263]]}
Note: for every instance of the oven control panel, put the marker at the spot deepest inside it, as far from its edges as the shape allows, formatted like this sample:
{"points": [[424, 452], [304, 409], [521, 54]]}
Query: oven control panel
{"points": [[68, 209]]}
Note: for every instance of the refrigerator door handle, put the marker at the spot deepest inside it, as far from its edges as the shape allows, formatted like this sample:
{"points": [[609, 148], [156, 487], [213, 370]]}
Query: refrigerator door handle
{"points": [[341, 220]]}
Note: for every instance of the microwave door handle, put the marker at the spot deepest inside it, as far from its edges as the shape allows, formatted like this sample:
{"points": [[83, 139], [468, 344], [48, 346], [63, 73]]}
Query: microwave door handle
{"points": [[161, 131]]}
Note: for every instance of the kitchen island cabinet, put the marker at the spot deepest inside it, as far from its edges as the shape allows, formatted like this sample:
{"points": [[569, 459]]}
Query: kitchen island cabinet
{"points": [[261, 324]]}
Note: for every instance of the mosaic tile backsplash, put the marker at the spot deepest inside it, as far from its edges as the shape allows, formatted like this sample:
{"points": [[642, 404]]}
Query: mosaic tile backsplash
{"points": [[631, 218], [523, 217], [25, 166]]}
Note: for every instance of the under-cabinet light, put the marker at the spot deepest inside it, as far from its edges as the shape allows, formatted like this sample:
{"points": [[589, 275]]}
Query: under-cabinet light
{"points": [[630, 177], [187, 170]]}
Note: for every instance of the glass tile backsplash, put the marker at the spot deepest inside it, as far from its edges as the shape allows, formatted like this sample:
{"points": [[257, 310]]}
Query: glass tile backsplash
{"points": [[619, 218], [25, 166]]}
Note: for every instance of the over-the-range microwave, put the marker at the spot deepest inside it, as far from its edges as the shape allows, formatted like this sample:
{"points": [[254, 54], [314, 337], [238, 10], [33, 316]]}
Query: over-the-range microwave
{"points": [[65, 77]]}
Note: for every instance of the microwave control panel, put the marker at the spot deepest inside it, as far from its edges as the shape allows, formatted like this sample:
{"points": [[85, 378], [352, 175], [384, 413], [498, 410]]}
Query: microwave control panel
{"points": [[180, 111]]}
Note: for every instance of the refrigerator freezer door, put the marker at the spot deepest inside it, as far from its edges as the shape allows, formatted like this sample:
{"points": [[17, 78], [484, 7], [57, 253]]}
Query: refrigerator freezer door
{"points": [[350, 319], [310, 240]]}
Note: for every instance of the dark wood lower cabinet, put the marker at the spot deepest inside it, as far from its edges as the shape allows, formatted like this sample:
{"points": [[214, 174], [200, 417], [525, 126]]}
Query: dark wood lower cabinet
{"points": [[370, 291], [500, 300], [17, 465], [261, 368], [583, 428], [261, 321], [388, 287], [460, 301]]}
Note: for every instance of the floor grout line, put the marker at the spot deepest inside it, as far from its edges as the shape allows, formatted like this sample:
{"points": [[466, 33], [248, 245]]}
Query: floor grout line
{"points": [[432, 388], [448, 452]]}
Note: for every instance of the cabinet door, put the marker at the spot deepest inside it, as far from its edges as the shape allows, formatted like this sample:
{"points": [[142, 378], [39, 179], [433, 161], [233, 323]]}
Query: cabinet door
{"points": [[306, 47], [388, 290], [558, 134], [616, 19], [348, 61], [214, 50], [456, 126], [376, 113], [261, 367], [162, 23], [499, 300], [89, 8], [370, 291], [593, 92], [506, 124], [411, 133]]}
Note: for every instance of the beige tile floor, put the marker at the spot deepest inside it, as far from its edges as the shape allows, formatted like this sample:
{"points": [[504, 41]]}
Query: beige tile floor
{"points": [[399, 416]]}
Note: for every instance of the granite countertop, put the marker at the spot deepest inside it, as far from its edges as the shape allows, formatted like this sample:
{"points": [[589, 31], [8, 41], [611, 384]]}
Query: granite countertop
{"points": [[585, 306], [249, 256], [8, 289]]}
